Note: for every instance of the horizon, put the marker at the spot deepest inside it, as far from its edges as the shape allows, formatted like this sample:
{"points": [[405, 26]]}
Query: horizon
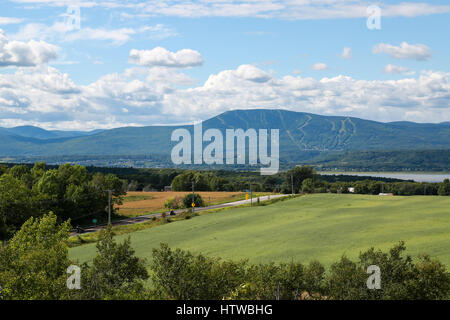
{"points": [[191, 124]]}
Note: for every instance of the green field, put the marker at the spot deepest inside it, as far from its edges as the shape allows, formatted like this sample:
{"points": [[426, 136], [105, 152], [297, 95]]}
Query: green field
{"points": [[321, 227]]}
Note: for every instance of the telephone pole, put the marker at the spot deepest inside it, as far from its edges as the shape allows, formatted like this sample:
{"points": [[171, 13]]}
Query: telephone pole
{"points": [[292, 184], [193, 196], [251, 195], [109, 206]]}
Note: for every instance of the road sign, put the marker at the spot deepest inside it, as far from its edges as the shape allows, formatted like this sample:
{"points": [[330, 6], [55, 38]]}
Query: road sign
{"points": [[193, 204]]}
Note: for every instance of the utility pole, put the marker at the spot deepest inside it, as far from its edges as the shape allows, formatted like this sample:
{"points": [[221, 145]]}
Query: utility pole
{"points": [[251, 195], [193, 196], [292, 184], [109, 206]]}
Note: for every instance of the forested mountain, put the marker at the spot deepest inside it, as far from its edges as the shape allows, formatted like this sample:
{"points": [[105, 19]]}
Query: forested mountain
{"points": [[303, 136]]}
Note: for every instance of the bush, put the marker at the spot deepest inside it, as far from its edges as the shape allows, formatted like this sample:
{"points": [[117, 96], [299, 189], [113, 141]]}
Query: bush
{"points": [[444, 188], [197, 199], [174, 203], [179, 274], [308, 186]]}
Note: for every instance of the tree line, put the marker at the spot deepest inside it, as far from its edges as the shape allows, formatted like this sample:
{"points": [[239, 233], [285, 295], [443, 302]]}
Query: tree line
{"points": [[70, 192], [304, 179]]}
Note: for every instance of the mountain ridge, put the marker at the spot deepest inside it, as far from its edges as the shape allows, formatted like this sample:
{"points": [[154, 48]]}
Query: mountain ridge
{"points": [[299, 132]]}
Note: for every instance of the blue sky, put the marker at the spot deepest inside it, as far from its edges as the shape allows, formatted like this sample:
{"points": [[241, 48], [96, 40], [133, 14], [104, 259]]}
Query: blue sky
{"points": [[213, 56]]}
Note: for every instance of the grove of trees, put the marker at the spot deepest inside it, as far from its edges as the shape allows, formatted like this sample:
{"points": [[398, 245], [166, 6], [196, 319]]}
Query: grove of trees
{"points": [[70, 192]]}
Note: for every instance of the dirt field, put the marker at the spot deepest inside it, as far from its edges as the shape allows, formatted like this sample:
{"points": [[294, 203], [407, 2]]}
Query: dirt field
{"points": [[140, 203]]}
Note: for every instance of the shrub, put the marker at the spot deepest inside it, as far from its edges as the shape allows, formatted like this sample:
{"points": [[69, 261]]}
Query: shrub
{"points": [[174, 203], [197, 199]]}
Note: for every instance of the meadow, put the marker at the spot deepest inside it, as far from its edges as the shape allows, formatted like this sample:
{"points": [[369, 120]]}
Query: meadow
{"points": [[319, 227]]}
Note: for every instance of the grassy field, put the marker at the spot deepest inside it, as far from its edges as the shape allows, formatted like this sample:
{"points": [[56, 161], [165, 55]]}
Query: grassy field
{"points": [[140, 203], [321, 227]]}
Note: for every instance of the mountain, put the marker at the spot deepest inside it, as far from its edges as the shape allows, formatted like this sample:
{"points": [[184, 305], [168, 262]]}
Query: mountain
{"points": [[39, 133], [301, 135]]}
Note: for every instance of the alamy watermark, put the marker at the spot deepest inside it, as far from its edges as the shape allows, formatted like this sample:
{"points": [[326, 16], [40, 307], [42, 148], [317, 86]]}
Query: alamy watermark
{"points": [[74, 279], [213, 153], [73, 18], [373, 18], [374, 280]]}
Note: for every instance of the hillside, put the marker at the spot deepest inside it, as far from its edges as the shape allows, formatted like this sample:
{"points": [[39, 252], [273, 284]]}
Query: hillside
{"points": [[302, 136], [319, 226]]}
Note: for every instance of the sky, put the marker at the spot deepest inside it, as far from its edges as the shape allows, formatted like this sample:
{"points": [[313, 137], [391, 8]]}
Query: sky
{"points": [[90, 64]]}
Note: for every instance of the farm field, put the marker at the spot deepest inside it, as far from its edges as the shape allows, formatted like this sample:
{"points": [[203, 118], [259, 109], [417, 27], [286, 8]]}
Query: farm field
{"points": [[140, 203], [312, 227]]}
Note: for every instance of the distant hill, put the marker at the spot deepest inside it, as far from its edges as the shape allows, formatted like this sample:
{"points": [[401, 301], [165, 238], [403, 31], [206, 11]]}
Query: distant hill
{"points": [[302, 136], [39, 133]]}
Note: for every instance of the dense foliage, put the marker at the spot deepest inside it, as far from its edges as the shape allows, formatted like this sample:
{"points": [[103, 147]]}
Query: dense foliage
{"points": [[35, 263], [179, 274], [68, 191]]}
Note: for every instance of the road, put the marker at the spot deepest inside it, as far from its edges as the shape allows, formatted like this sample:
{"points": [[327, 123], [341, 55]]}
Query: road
{"points": [[145, 218]]}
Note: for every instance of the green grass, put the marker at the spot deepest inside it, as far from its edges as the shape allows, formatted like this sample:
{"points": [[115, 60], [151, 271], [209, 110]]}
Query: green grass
{"points": [[321, 227]]}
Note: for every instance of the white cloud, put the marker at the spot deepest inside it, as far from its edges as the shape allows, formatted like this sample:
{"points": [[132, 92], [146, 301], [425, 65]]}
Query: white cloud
{"points": [[117, 36], [279, 9], [164, 58], [393, 69], [9, 20], [404, 51], [25, 54], [346, 53], [143, 96], [319, 66], [292, 10], [251, 73], [64, 32]]}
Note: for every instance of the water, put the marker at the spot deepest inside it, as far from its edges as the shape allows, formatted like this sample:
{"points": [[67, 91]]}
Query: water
{"points": [[418, 177]]}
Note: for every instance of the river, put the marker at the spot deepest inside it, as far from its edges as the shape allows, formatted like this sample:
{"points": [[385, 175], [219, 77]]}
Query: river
{"points": [[418, 177]]}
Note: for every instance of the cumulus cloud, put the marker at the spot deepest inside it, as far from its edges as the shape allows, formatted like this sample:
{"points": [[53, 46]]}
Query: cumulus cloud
{"points": [[346, 53], [162, 57], [25, 54], [47, 97], [249, 72], [404, 51], [319, 66], [393, 69]]}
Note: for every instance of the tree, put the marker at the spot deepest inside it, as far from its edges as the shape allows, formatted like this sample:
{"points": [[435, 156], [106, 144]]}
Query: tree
{"points": [[178, 274], [197, 199], [34, 264], [3, 169], [116, 272], [15, 205], [308, 186], [444, 188], [298, 174], [183, 182]]}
